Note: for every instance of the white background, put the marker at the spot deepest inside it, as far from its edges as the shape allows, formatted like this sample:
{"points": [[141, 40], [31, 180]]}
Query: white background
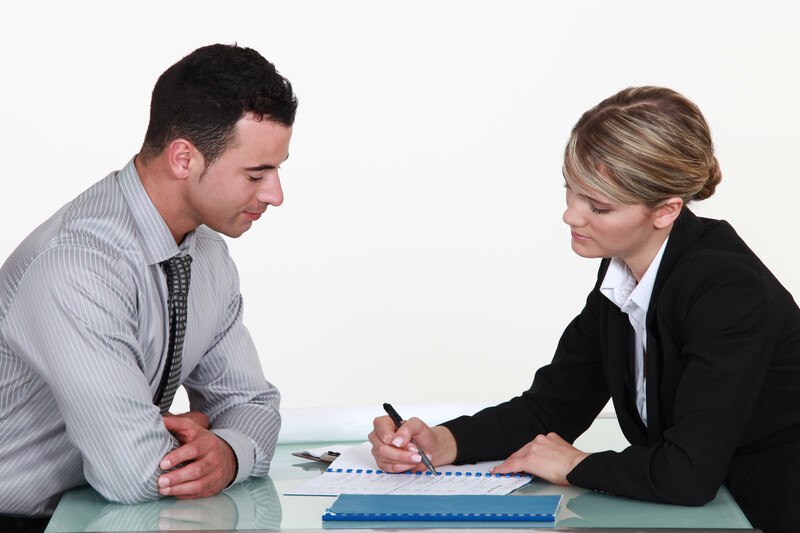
{"points": [[420, 255]]}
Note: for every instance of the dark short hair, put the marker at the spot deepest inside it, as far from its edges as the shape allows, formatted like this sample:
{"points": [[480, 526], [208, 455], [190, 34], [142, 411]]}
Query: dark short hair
{"points": [[202, 97]]}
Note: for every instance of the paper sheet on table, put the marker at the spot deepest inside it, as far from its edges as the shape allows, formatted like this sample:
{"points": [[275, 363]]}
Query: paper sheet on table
{"points": [[355, 472]]}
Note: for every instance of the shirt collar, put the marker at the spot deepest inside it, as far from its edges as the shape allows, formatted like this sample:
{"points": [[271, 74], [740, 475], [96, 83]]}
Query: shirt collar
{"points": [[156, 238], [619, 284]]}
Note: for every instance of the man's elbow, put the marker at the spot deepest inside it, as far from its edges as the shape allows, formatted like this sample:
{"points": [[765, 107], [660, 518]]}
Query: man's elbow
{"points": [[128, 498], [126, 489]]}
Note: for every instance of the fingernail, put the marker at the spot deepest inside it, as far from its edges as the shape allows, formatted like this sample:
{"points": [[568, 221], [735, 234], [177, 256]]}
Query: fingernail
{"points": [[398, 441], [165, 465], [412, 448], [163, 482], [416, 458]]}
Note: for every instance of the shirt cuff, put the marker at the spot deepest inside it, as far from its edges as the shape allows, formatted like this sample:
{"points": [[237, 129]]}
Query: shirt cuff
{"points": [[242, 449]]}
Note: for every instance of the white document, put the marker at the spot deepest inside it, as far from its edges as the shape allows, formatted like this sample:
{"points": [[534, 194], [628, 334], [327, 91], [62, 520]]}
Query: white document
{"points": [[355, 472]]}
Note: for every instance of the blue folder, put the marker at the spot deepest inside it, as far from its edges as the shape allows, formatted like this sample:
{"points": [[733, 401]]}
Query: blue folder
{"points": [[467, 508]]}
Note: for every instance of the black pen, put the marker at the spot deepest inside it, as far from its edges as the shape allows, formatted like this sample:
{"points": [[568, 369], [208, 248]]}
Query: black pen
{"points": [[398, 421]]}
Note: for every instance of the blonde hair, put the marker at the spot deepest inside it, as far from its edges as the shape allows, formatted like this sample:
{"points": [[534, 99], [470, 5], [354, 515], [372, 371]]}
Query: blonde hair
{"points": [[643, 145]]}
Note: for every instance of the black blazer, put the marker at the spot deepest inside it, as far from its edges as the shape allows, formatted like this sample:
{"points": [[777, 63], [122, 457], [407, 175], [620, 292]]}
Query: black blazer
{"points": [[723, 379]]}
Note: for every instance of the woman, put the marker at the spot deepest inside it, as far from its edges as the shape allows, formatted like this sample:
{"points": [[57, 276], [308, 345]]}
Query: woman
{"points": [[691, 336]]}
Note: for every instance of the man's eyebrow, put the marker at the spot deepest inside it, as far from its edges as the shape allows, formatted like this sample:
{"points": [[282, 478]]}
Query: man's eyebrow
{"points": [[260, 167], [266, 166]]}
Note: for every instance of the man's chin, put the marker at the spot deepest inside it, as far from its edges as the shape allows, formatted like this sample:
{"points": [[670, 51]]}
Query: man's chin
{"points": [[233, 233]]}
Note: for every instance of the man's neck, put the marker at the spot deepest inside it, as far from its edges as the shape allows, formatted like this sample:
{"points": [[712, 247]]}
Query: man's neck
{"points": [[162, 190]]}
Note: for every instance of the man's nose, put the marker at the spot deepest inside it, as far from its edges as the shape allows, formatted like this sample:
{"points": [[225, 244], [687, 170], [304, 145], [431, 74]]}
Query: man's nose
{"points": [[271, 192]]}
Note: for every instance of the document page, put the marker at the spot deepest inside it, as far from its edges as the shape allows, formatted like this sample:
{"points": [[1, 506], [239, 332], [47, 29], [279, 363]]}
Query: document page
{"points": [[355, 472]]}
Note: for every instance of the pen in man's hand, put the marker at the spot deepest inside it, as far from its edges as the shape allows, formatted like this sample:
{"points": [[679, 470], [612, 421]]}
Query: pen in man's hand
{"points": [[398, 421]]}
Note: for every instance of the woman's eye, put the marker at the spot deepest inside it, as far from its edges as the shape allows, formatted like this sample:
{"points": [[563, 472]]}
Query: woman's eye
{"points": [[599, 211]]}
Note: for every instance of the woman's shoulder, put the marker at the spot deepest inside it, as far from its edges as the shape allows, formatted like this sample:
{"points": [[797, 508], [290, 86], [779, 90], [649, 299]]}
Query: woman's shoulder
{"points": [[717, 261], [706, 244]]}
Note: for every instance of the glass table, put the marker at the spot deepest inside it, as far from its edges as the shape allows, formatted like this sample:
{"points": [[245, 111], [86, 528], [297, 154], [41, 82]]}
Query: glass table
{"points": [[259, 504]]}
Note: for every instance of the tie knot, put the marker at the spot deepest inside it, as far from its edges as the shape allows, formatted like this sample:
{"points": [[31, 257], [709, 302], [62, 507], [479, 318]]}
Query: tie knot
{"points": [[180, 265]]}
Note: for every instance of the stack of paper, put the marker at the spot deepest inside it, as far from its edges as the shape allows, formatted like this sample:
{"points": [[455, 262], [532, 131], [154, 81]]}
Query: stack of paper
{"points": [[355, 472]]}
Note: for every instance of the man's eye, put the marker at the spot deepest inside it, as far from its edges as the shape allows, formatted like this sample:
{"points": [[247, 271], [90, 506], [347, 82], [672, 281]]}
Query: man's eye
{"points": [[254, 178]]}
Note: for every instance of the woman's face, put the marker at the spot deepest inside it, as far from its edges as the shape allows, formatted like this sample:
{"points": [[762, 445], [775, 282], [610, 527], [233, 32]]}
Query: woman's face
{"points": [[601, 227]]}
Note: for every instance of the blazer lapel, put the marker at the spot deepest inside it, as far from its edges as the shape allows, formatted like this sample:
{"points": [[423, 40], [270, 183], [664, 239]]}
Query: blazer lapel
{"points": [[622, 377], [654, 432], [686, 230]]}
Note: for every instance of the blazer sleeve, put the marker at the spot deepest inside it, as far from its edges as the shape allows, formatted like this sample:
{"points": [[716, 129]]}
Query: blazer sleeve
{"points": [[565, 397], [718, 323]]}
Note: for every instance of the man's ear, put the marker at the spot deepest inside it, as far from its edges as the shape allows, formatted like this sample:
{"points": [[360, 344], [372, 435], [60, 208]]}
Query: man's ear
{"points": [[664, 216], [183, 158]]}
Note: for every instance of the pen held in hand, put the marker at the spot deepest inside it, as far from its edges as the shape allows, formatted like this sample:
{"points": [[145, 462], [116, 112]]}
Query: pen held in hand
{"points": [[398, 421]]}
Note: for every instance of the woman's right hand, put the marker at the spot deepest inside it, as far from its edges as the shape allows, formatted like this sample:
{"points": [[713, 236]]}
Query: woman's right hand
{"points": [[394, 452]]}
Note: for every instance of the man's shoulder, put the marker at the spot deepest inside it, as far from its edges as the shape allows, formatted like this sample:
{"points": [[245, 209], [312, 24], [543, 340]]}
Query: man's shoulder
{"points": [[59, 264], [100, 218], [94, 224]]}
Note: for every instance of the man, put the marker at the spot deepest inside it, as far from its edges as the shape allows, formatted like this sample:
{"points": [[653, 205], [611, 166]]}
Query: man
{"points": [[97, 330]]}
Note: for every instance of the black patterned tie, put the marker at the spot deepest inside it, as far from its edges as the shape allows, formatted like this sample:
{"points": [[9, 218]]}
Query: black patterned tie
{"points": [[178, 269]]}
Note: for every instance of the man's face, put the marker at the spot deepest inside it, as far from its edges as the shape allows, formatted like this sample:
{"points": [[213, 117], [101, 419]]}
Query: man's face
{"points": [[235, 190]]}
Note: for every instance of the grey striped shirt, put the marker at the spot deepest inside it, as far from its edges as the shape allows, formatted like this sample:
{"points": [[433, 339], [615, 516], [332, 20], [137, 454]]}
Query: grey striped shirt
{"points": [[83, 338]]}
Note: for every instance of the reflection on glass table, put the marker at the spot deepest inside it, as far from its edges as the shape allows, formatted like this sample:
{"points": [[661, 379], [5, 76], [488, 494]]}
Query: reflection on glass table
{"points": [[261, 504], [253, 504]]}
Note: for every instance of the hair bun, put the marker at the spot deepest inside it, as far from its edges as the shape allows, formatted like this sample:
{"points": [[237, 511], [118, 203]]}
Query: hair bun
{"points": [[710, 185]]}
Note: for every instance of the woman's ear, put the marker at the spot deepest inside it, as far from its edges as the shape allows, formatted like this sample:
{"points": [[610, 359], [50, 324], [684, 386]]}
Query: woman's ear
{"points": [[665, 215]]}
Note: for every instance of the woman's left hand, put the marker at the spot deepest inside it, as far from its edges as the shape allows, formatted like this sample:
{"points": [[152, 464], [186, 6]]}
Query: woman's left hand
{"points": [[547, 456]]}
